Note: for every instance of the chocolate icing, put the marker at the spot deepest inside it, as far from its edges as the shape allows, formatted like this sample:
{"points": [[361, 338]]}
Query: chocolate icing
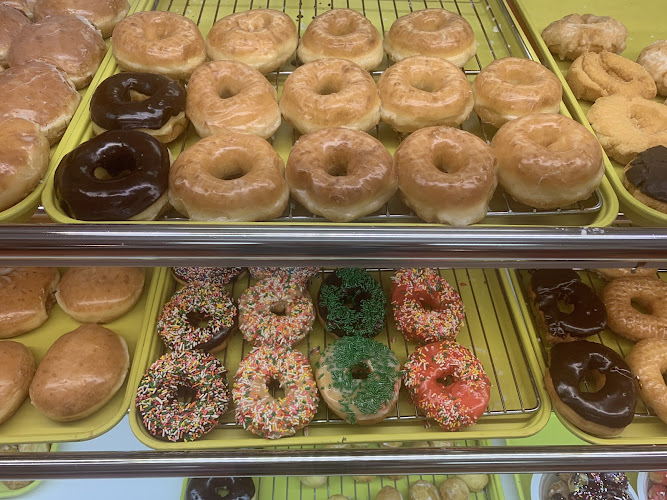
{"points": [[238, 488], [139, 169], [613, 405], [112, 108], [216, 337], [648, 173]]}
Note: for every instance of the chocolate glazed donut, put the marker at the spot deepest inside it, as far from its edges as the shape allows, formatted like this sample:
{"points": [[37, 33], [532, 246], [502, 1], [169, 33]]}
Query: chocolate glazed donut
{"points": [[237, 488]]}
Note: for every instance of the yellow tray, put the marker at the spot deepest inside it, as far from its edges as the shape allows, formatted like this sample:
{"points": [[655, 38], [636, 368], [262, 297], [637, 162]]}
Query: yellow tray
{"points": [[645, 428], [28, 425], [519, 406], [644, 28], [7, 493], [497, 38]]}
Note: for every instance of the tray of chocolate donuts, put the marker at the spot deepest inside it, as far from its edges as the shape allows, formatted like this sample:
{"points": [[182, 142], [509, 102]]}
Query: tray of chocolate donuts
{"points": [[288, 113], [71, 340], [601, 339], [614, 62]]}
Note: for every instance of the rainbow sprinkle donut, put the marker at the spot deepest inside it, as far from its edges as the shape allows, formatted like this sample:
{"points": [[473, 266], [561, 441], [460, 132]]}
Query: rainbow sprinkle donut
{"points": [[219, 276], [298, 274]]}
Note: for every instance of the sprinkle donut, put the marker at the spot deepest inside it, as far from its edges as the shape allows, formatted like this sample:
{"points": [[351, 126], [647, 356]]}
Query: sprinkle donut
{"points": [[276, 312], [178, 324], [259, 412], [426, 307], [458, 404], [157, 397], [300, 275], [218, 276]]}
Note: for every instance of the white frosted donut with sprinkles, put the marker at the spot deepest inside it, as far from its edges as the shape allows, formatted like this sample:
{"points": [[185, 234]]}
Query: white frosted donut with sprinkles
{"points": [[218, 276], [259, 412]]}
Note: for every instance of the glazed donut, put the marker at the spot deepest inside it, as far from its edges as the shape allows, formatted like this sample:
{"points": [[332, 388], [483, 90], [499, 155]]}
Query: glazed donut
{"points": [[423, 91], [146, 102], [140, 194], [423, 490], [648, 362], [330, 93], [229, 177], [426, 307], [650, 293], [431, 32], [344, 286], [627, 126], [359, 379], [231, 96], [163, 416], [610, 274], [218, 276], [259, 412], [510, 88], [594, 75], [261, 38], [446, 175], [654, 60], [17, 367], [22, 5], [12, 21], [575, 35], [158, 42], [645, 178], [547, 160], [24, 157], [70, 43], [275, 312], [604, 412], [300, 275], [342, 34], [340, 174], [388, 493], [236, 488], [103, 14], [458, 404]]}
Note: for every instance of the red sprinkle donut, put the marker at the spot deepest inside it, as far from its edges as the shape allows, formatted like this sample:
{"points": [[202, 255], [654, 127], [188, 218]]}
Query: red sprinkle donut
{"points": [[458, 404], [218, 276], [426, 307], [258, 411]]}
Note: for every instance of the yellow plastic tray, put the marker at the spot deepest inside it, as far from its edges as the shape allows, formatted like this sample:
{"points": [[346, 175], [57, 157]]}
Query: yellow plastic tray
{"points": [[496, 38], [28, 425], [518, 406], [7, 493], [645, 428], [644, 27]]}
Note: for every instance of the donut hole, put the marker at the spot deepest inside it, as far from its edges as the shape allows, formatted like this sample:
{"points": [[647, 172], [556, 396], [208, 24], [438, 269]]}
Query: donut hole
{"points": [[444, 163], [645, 120], [341, 27], [592, 381], [565, 306], [222, 492], [426, 82], [227, 90], [197, 319], [229, 171], [161, 31], [121, 165], [329, 86], [515, 76], [430, 23], [360, 371], [445, 381], [255, 23], [336, 168], [275, 389], [279, 308], [137, 96], [641, 306], [184, 394]]}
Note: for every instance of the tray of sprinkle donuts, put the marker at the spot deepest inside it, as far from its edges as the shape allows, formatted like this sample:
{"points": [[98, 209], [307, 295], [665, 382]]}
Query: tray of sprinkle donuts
{"points": [[49, 52], [303, 356], [601, 340], [71, 340], [613, 57], [292, 114]]}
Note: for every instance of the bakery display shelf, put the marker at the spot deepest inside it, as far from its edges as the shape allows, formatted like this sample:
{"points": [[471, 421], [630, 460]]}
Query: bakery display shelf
{"points": [[497, 36], [646, 428], [643, 28], [6, 492], [518, 405], [29, 425]]}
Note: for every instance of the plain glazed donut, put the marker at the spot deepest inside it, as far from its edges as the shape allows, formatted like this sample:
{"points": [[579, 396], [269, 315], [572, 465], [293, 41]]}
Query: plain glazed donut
{"points": [[261, 38], [340, 174], [12, 21], [575, 35], [229, 177], [645, 178], [70, 43], [594, 75], [158, 42], [650, 293], [342, 34], [103, 14], [423, 91], [547, 160], [648, 361], [510, 88], [654, 60], [431, 32], [330, 93], [446, 175]]}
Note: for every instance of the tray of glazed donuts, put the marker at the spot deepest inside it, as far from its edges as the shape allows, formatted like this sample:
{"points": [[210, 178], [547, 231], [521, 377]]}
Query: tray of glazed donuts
{"points": [[601, 337], [71, 339], [613, 56], [264, 112]]}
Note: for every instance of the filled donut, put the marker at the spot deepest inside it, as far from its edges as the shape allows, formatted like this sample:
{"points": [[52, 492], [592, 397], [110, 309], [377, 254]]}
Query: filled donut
{"points": [[654, 60], [104, 15], [574, 35], [645, 178], [12, 21], [17, 367], [648, 361]]}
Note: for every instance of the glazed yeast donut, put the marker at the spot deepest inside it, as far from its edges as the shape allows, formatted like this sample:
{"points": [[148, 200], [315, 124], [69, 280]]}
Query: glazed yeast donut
{"points": [[229, 177], [510, 87], [340, 174], [446, 175], [645, 178], [103, 14], [261, 38], [648, 361], [12, 21], [423, 91], [24, 6], [17, 367], [654, 60], [330, 93], [547, 160], [158, 42], [575, 35], [342, 34]]}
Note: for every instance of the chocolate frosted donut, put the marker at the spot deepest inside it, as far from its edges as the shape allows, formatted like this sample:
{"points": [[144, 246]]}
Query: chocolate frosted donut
{"points": [[645, 178], [237, 488]]}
